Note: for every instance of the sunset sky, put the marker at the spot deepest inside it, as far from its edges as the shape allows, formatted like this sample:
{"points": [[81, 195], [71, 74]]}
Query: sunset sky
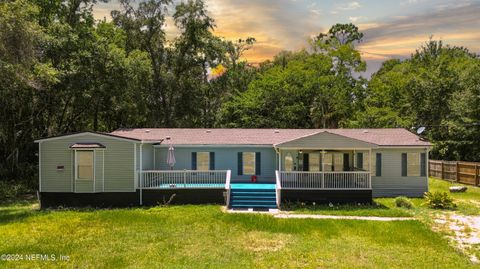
{"points": [[393, 29]]}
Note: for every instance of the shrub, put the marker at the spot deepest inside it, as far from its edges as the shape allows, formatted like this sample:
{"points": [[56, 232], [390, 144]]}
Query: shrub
{"points": [[11, 189], [439, 199], [403, 201]]}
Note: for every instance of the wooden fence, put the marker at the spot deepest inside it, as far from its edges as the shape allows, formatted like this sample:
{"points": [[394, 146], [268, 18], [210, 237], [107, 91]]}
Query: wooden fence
{"points": [[462, 172]]}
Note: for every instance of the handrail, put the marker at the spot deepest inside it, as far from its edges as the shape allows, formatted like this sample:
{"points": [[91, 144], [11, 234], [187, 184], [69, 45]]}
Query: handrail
{"points": [[227, 181], [227, 187], [330, 180], [278, 187], [190, 179]]}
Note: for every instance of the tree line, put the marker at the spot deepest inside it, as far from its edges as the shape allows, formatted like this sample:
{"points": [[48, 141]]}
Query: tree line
{"points": [[62, 71]]}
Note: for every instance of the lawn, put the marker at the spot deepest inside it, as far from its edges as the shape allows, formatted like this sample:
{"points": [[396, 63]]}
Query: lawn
{"points": [[468, 203], [204, 236]]}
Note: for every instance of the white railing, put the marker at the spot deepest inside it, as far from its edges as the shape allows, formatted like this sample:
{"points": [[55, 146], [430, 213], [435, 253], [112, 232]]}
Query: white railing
{"points": [[325, 180], [227, 187], [187, 179], [278, 187]]}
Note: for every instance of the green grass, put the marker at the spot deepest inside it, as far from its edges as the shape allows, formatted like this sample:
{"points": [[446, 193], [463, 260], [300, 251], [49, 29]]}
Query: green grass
{"points": [[381, 207], [204, 236], [468, 203]]}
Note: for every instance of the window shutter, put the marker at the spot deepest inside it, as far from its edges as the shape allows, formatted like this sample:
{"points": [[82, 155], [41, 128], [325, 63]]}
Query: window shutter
{"points": [[423, 164], [212, 161], [194, 161], [240, 164], [258, 164], [378, 165], [404, 164], [306, 162], [346, 162], [360, 160]]}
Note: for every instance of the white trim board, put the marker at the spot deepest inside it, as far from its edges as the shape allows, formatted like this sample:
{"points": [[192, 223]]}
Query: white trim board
{"points": [[87, 133], [214, 146]]}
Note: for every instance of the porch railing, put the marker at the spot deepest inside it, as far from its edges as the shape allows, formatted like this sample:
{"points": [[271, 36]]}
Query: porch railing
{"points": [[325, 180], [188, 179]]}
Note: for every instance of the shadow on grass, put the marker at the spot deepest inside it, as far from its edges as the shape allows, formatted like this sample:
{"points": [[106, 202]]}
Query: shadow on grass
{"points": [[16, 215]]}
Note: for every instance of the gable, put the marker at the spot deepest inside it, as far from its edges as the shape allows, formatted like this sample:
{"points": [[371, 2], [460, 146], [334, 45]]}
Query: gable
{"points": [[325, 140]]}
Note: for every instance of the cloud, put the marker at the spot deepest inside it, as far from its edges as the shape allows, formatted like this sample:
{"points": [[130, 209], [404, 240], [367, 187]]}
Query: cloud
{"points": [[354, 19], [276, 24], [287, 24], [456, 25], [349, 6]]}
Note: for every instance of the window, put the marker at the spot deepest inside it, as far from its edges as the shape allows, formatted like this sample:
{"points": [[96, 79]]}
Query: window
{"points": [[203, 161], [413, 164], [288, 162], [84, 169], [314, 162], [366, 161], [338, 162], [377, 165], [327, 161], [248, 163]]}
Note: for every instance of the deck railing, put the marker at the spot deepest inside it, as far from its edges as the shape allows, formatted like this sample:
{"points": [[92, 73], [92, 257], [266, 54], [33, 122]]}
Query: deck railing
{"points": [[187, 179], [325, 180], [227, 187]]}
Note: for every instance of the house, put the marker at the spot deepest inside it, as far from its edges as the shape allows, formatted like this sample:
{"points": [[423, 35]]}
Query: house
{"points": [[250, 168]]}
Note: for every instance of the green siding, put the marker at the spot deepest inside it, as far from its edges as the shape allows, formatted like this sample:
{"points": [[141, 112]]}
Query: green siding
{"points": [[326, 141], [118, 167], [392, 183]]}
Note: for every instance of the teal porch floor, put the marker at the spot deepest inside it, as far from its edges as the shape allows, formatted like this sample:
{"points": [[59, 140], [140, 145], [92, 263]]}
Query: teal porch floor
{"points": [[261, 186]]}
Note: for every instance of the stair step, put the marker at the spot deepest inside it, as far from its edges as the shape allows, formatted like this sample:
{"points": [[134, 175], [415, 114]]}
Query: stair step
{"points": [[253, 206], [260, 197], [250, 192], [235, 201]]}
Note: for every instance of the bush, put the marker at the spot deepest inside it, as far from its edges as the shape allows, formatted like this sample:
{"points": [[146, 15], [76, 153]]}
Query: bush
{"points": [[439, 199], [403, 201], [11, 190]]}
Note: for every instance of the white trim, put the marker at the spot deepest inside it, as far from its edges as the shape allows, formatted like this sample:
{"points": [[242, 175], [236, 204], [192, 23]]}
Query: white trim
{"points": [[405, 147], [135, 176], [216, 146], [89, 133], [141, 174], [40, 167], [321, 149], [94, 171], [103, 171], [72, 174]]}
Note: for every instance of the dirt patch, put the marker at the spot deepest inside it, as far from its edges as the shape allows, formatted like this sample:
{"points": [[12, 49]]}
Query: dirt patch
{"points": [[464, 231]]}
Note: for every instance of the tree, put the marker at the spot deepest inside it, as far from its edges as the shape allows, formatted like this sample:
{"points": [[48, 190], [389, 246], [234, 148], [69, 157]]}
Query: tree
{"points": [[436, 88]]}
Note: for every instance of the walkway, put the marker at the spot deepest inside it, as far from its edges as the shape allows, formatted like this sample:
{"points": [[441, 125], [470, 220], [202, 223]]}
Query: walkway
{"points": [[285, 215]]}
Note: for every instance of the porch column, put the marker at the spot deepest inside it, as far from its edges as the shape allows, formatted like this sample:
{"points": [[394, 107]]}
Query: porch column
{"points": [[323, 168], [370, 168], [279, 160]]}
